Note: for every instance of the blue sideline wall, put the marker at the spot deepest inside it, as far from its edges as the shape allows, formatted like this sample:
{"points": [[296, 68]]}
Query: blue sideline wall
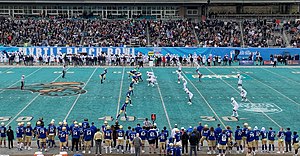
{"points": [[265, 52]]}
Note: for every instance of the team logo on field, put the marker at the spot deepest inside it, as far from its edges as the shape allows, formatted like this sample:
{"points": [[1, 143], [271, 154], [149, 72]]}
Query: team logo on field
{"points": [[260, 107], [56, 88]]}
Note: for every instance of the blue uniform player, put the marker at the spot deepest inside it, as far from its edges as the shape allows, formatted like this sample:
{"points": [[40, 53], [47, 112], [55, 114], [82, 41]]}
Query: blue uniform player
{"points": [[238, 139], [143, 135], [3, 134], [123, 110], [264, 137], [222, 141], [152, 135], [251, 141], [295, 142], [271, 138], [132, 135], [103, 75], [162, 141]]}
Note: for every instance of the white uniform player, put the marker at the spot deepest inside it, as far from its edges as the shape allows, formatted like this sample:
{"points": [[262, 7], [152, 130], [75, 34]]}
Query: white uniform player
{"points": [[184, 83], [240, 81], [235, 108], [152, 80], [243, 94], [179, 76], [190, 94], [149, 73]]}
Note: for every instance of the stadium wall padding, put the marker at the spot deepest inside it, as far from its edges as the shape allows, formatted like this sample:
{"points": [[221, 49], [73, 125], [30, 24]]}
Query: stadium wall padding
{"points": [[244, 52]]}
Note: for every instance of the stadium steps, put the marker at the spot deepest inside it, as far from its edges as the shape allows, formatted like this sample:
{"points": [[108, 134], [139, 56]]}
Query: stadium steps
{"points": [[196, 36]]}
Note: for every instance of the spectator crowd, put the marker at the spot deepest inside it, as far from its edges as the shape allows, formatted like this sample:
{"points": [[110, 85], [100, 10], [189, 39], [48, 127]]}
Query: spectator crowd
{"points": [[57, 31]]}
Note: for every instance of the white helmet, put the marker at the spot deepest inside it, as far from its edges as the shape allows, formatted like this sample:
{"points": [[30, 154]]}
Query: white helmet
{"points": [[2, 124], [232, 98]]}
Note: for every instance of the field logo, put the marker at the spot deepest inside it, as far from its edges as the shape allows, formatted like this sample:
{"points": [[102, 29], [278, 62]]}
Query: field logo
{"points": [[56, 88], [260, 107]]}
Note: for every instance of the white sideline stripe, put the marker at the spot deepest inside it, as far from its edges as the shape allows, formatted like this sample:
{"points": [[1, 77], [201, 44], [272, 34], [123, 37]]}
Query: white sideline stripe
{"points": [[28, 104], [271, 88], [280, 75], [26, 76], [204, 100], [78, 96], [248, 99], [163, 104], [8, 69], [120, 93]]}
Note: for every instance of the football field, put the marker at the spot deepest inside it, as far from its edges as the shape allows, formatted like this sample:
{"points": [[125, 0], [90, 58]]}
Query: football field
{"points": [[273, 96]]}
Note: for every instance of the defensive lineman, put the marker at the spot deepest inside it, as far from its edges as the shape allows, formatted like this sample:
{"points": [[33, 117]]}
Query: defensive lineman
{"points": [[235, 108]]}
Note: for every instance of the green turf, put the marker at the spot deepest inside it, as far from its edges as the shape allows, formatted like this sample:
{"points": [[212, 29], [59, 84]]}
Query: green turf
{"points": [[278, 86]]}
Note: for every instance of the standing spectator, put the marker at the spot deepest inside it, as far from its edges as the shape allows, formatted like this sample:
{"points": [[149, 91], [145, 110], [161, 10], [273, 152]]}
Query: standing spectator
{"points": [[3, 134], [184, 141], [288, 140], [10, 137], [98, 137], [137, 143], [194, 140]]}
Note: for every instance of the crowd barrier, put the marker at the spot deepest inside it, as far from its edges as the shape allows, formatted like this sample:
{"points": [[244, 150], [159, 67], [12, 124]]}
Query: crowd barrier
{"points": [[219, 51]]}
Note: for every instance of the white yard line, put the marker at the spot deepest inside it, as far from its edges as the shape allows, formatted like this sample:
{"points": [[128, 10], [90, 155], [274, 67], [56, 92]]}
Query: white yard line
{"points": [[120, 93], [11, 120], [26, 76], [163, 104], [248, 99], [281, 76], [270, 87], [78, 96], [205, 100]]}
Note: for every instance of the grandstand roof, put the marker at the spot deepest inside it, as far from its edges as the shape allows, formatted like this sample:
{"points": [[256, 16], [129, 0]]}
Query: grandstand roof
{"points": [[149, 1]]}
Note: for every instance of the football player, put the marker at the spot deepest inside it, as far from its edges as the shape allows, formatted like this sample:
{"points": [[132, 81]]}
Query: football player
{"points": [[243, 94], [280, 136], [51, 134], [123, 110], [271, 139], [238, 139], [108, 137], [190, 94], [235, 108], [184, 83], [240, 81], [179, 76], [103, 75], [28, 136], [199, 74], [3, 134], [264, 135], [121, 138]]}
